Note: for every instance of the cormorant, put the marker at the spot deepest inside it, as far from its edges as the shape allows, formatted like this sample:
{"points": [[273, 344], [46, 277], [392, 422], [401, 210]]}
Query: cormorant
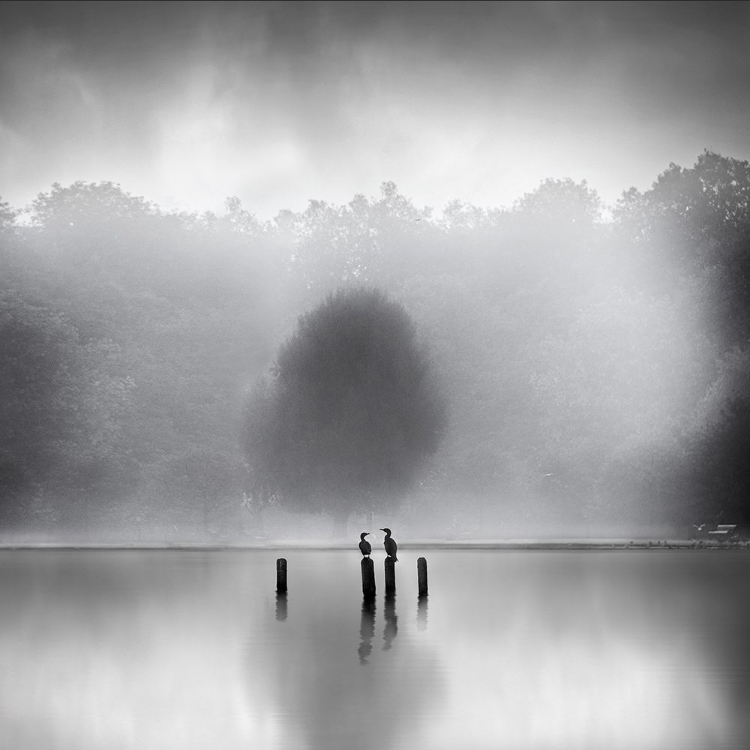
{"points": [[364, 546], [390, 545]]}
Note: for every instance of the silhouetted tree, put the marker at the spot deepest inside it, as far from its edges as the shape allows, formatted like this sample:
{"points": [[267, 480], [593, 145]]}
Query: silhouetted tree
{"points": [[37, 350], [713, 465], [688, 238], [351, 413], [693, 227], [375, 242], [58, 408]]}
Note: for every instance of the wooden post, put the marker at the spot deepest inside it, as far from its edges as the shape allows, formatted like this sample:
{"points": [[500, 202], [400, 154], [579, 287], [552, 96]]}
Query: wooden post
{"points": [[281, 602], [390, 576], [422, 576], [422, 612], [281, 575], [368, 578]]}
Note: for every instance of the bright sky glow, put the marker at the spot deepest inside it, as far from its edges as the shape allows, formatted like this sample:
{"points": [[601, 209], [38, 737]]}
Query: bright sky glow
{"points": [[279, 103]]}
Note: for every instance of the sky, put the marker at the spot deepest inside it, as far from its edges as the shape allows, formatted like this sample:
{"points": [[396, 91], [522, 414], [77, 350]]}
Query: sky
{"points": [[278, 103]]}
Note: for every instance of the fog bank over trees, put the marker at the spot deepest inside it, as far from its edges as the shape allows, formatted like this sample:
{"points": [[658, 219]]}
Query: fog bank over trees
{"points": [[594, 360]]}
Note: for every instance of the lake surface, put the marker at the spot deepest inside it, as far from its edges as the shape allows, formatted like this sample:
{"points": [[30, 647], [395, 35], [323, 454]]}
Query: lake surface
{"points": [[171, 649]]}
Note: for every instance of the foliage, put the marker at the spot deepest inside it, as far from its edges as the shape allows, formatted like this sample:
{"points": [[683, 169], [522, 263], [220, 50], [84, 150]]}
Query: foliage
{"points": [[59, 408], [352, 412], [357, 243], [591, 368], [717, 464], [149, 324], [693, 227], [561, 203]]}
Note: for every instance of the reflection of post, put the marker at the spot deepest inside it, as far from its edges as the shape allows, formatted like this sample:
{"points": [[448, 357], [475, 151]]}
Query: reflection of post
{"points": [[390, 576], [391, 622], [422, 576], [368, 578], [281, 575], [366, 629], [281, 605], [422, 613]]}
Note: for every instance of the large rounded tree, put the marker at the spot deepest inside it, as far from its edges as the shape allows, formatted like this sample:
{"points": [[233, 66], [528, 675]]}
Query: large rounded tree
{"points": [[350, 412]]}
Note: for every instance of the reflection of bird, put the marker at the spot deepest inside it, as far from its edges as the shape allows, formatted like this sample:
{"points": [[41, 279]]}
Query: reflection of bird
{"points": [[364, 546], [391, 622], [390, 544]]}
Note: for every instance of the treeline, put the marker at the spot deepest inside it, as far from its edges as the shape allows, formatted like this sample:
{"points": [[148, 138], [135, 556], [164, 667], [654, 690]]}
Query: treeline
{"points": [[596, 361]]}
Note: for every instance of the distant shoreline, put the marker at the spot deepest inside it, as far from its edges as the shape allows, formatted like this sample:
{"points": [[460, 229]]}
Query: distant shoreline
{"points": [[601, 545]]}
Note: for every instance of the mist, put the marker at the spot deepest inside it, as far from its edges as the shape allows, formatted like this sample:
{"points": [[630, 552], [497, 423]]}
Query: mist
{"points": [[545, 188], [586, 373]]}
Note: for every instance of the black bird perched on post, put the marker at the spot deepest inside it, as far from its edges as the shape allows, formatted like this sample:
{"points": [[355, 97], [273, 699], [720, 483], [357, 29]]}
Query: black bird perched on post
{"points": [[364, 546], [390, 545]]}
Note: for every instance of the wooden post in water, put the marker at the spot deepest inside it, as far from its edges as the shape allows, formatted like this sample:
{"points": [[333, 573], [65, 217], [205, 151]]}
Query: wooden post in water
{"points": [[281, 575], [390, 576], [281, 605], [422, 576], [368, 578]]}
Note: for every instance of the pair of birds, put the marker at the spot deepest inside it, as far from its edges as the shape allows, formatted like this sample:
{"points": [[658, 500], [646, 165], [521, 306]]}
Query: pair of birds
{"points": [[391, 548]]}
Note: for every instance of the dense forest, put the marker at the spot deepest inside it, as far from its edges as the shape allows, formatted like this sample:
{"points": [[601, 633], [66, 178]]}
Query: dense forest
{"points": [[596, 359]]}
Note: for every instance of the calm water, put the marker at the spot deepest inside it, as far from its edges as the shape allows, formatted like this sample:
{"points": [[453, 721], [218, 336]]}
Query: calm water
{"points": [[513, 649]]}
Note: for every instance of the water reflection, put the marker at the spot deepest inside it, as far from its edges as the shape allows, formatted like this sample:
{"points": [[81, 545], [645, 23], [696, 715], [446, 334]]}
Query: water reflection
{"points": [[590, 650], [366, 630], [391, 622], [94, 645], [281, 605], [523, 650], [422, 612], [317, 693]]}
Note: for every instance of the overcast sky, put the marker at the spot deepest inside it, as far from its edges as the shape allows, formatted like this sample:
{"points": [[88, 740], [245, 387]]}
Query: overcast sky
{"points": [[278, 103]]}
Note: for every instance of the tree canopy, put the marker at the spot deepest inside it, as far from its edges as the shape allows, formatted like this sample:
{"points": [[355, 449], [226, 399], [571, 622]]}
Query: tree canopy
{"points": [[352, 411], [596, 361]]}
